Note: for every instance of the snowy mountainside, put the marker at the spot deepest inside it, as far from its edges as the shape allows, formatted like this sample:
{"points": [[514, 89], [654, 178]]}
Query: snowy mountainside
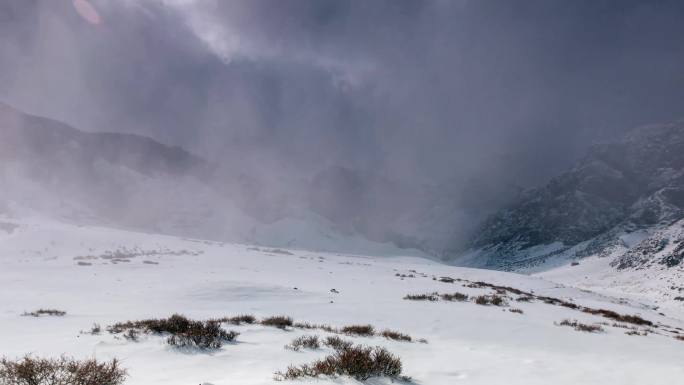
{"points": [[103, 275], [644, 263], [631, 186]]}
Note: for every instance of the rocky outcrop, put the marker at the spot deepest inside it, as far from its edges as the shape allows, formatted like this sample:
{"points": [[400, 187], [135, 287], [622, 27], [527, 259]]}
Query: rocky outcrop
{"points": [[634, 184]]}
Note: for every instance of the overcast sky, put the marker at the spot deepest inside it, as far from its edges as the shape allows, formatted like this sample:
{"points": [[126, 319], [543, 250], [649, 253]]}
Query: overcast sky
{"points": [[418, 90]]}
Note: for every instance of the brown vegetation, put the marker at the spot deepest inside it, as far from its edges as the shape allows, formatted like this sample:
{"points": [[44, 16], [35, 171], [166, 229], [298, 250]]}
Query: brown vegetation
{"points": [[582, 327], [280, 322], [183, 332], [393, 335], [45, 312], [61, 371], [358, 362]]}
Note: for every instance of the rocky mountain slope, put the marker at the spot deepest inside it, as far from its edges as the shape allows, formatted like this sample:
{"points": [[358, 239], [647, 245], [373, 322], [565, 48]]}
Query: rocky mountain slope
{"points": [[623, 200]]}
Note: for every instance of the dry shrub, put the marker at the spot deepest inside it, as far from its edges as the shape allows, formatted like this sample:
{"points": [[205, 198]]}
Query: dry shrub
{"points": [[393, 335], [454, 297], [96, 329], [132, 335], [207, 335], [304, 325], [280, 321], [183, 332], [632, 319], [636, 333], [337, 343], [239, 320], [45, 312], [494, 299], [304, 342], [61, 371], [310, 326], [359, 362], [497, 300], [569, 305], [421, 297], [582, 327], [359, 330]]}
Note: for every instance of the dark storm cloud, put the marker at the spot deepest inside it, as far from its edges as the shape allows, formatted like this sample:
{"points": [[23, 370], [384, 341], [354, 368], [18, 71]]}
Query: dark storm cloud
{"points": [[420, 91]]}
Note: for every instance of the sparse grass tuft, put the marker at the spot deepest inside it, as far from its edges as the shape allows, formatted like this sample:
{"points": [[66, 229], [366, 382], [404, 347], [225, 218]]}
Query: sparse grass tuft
{"points": [[304, 342], [582, 327], [94, 330], [45, 312], [67, 371], [337, 343], [132, 335], [310, 326], [422, 297], [636, 333]]}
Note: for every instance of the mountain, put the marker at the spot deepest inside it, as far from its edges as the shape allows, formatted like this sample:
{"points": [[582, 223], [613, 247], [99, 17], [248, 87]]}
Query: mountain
{"points": [[43, 142], [623, 199], [127, 180], [50, 169]]}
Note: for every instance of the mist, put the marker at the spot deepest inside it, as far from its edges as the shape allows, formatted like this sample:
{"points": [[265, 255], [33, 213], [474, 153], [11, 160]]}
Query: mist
{"points": [[385, 111]]}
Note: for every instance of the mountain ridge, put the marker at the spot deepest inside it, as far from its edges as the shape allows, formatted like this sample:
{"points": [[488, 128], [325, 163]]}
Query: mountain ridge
{"points": [[633, 184]]}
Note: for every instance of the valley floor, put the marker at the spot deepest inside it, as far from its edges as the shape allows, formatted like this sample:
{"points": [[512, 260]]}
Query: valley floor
{"points": [[103, 276]]}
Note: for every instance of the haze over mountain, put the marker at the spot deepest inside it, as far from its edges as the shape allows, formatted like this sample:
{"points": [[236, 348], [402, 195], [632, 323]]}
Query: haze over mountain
{"points": [[393, 121], [134, 181], [634, 185]]}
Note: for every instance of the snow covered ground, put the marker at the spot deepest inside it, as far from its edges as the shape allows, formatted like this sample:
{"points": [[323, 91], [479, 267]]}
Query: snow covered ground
{"points": [[101, 275], [645, 275], [658, 287]]}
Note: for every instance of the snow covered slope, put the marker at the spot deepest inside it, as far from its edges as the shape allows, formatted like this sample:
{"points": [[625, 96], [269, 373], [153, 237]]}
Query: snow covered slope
{"points": [[644, 265], [632, 185], [102, 275]]}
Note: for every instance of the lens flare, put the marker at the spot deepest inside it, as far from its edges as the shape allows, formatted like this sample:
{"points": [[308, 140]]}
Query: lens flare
{"points": [[87, 11]]}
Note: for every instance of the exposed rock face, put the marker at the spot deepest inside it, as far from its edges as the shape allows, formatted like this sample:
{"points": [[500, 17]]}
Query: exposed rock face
{"points": [[634, 184]]}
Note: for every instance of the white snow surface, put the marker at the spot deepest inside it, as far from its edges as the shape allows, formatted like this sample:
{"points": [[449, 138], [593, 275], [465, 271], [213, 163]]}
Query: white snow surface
{"points": [[651, 283], [46, 264]]}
